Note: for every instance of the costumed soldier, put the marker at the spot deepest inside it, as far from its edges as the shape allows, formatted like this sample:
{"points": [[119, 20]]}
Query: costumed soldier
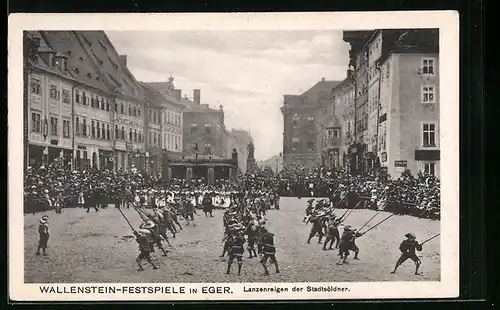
{"points": [[236, 251], [407, 249], [317, 227], [269, 251], [251, 232], [155, 236], [43, 231], [332, 233], [347, 242], [143, 238]]}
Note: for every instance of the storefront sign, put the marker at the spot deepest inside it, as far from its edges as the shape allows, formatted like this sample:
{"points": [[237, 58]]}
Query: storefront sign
{"points": [[400, 163]]}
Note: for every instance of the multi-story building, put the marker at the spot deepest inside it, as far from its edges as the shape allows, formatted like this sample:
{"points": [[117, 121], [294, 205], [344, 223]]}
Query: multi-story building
{"points": [[49, 95], [337, 122], [403, 99], [164, 122], [102, 108], [203, 129], [302, 132]]}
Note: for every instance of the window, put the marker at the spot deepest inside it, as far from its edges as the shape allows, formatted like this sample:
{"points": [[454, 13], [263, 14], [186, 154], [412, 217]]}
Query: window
{"points": [[140, 136], [84, 98], [55, 94], [65, 128], [164, 142], [135, 135], [93, 129], [35, 122], [78, 98], [139, 112], [428, 94], [53, 126], [36, 87], [428, 66], [108, 133], [295, 144], [295, 120], [98, 133], [208, 149], [429, 168], [208, 128], [123, 134], [310, 146], [116, 106], [150, 138], [130, 110], [429, 134], [154, 138], [66, 96], [150, 114], [107, 105], [103, 104], [310, 122], [130, 135], [193, 128], [122, 108], [77, 125], [84, 128], [103, 132], [117, 133], [92, 101]]}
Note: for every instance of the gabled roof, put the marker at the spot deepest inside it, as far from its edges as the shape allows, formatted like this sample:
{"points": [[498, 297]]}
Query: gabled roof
{"points": [[79, 64], [101, 50], [321, 86], [189, 106], [155, 97], [41, 62]]}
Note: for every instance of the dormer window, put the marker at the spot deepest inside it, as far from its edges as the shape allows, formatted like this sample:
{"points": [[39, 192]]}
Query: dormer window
{"points": [[88, 75], [76, 70]]}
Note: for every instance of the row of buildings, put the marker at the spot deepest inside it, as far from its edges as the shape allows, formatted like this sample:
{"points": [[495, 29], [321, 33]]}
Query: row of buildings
{"points": [[85, 108], [383, 115]]}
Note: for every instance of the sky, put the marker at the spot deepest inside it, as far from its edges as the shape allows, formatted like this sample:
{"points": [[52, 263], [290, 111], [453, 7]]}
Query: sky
{"points": [[247, 72]]}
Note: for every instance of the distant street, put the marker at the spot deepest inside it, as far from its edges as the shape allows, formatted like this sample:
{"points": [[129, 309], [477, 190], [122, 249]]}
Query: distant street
{"points": [[99, 247]]}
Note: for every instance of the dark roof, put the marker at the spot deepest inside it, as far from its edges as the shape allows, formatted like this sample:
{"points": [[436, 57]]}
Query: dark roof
{"points": [[321, 85], [189, 106], [79, 64]]}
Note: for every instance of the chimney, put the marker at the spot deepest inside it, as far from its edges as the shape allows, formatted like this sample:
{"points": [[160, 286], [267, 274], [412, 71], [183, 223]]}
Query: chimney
{"points": [[322, 79], [197, 96], [123, 59], [177, 94]]}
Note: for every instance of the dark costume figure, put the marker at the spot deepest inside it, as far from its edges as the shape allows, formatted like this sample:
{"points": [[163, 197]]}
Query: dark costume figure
{"points": [[317, 228], [143, 238], [348, 242], [407, 249], [155, 236], [251, 232], [332, 234], [207, 205], [269, 251], [235, 251], [43, 231]]}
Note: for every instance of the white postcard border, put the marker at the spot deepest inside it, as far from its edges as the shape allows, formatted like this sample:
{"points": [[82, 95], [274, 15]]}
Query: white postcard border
{"points": [[446, 21]]}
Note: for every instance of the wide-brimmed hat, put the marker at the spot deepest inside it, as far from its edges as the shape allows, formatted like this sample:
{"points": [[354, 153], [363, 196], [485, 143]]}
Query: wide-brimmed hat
{"points": [[411, 235], [144, 231], [148, 225]]}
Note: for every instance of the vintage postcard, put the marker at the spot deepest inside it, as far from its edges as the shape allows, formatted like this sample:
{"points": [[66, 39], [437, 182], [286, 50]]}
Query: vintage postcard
{"points": [[276, 156]]}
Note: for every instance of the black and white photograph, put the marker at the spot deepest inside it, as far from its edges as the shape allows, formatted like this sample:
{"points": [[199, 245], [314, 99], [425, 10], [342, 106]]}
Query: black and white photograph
{"points": [[261, 157]]}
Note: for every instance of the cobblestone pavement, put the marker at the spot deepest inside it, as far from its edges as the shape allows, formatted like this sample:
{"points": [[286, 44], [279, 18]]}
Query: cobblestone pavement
{"points": [[99, 247]]}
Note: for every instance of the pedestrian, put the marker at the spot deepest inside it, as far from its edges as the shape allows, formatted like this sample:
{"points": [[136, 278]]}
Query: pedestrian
{"points": [[143, 237], [44, 233], [407, 248]]}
